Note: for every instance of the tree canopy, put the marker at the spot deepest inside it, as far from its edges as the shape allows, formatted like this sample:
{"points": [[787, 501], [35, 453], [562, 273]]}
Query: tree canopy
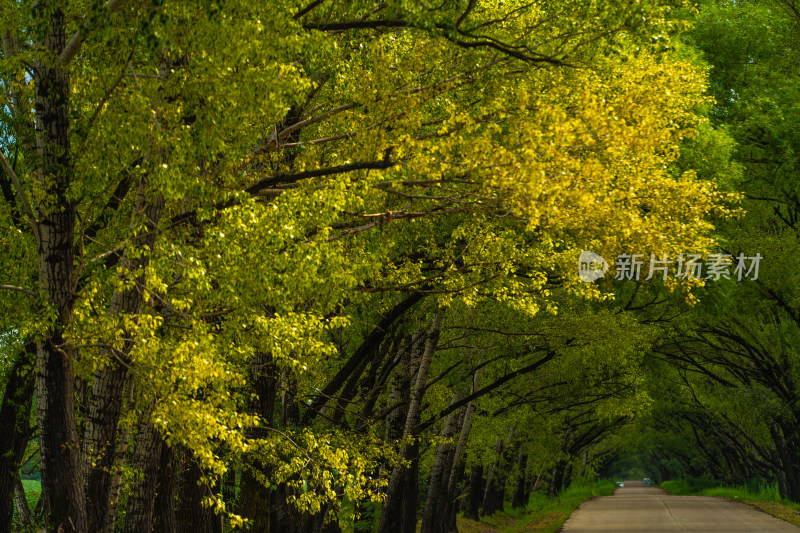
{"points": [[313, 266]]}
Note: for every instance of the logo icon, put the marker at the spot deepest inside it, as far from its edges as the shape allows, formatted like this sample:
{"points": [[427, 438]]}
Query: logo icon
{"points": [[591, 266]]}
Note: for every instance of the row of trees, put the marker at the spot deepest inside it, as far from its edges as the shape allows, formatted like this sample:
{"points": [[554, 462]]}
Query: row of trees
{"points": [[312, 265], [725, 375]]}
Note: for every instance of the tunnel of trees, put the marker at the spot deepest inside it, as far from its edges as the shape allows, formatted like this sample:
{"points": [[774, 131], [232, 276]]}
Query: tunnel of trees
{"points": [[313, 266]]}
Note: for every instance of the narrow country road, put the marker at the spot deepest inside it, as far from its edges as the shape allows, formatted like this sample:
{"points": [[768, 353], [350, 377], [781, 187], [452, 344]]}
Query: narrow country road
{"points": [[652, 510]]}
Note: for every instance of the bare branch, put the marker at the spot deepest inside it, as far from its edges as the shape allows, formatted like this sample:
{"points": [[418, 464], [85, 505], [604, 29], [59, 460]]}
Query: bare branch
{"points": [[18, 289]]}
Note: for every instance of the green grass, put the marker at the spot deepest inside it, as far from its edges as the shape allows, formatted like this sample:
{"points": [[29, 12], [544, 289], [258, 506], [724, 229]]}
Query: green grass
{"points": [[767, 498], [33, 487], [547, 515], [768, 493], [542, 514]]}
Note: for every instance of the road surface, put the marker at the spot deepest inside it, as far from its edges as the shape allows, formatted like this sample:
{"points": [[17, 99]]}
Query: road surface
{"points": [[652, 510]]}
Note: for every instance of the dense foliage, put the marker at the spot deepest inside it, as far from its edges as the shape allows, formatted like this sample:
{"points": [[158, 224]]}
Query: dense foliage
{"points": [[313, 267]]}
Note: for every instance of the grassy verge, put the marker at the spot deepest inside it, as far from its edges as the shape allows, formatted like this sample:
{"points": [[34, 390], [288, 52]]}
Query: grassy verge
{"points": [[766, 498], [541, 515]]}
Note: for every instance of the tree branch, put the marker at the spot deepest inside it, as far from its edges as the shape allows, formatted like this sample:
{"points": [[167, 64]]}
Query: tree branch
{"points": [[282, 178], [74, 44], [485, 390], [18, 289], [367, 347]]}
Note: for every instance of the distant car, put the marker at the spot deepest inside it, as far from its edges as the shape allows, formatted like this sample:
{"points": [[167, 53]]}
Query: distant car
{"points": [[620, 484], [646, 482]]}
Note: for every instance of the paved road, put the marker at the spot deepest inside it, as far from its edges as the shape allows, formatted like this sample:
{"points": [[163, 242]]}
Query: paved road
{"points": [[651, 510]]}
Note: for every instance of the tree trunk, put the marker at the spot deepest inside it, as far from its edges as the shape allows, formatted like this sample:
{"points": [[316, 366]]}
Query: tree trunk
{"points": [[397, 481], [438, 496], [193, 516], [58, 433], [400, 394], [120, 456], [21, 503], [455, 498], [141, 503], [584, 462], [410, 492], [489, 496], [254, 497], [166, 521], [458, 464], [518, 499], [364, 350], [110, 381], [475, 495], [15, 413], [557, 478]]}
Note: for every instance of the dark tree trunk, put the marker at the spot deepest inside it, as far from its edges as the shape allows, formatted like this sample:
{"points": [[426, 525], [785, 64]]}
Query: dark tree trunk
{"points": [[455, 499], [496, 480], [141, 503], [557, 479], [519, 498], [400, 393], [254, 502], [410, 492], [475, 494], [193, 516], [487, 501], [458, 463], [21, 503], [166, 521], [567, 479], [15, 430], [254, 497], [58, 430], [120, 456], [366, 349]]}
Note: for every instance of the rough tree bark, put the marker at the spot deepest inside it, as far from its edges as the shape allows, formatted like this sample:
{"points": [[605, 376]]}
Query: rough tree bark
{"points": [[58, 433], [120, 456], [193, 516], [141, 504], [166, 520], [21, 502], [366, 349], [255, 497]]}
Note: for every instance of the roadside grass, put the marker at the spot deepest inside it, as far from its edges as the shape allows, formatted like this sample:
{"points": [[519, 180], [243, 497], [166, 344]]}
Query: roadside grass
{"points": [[541, 515], [766, 498]]}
